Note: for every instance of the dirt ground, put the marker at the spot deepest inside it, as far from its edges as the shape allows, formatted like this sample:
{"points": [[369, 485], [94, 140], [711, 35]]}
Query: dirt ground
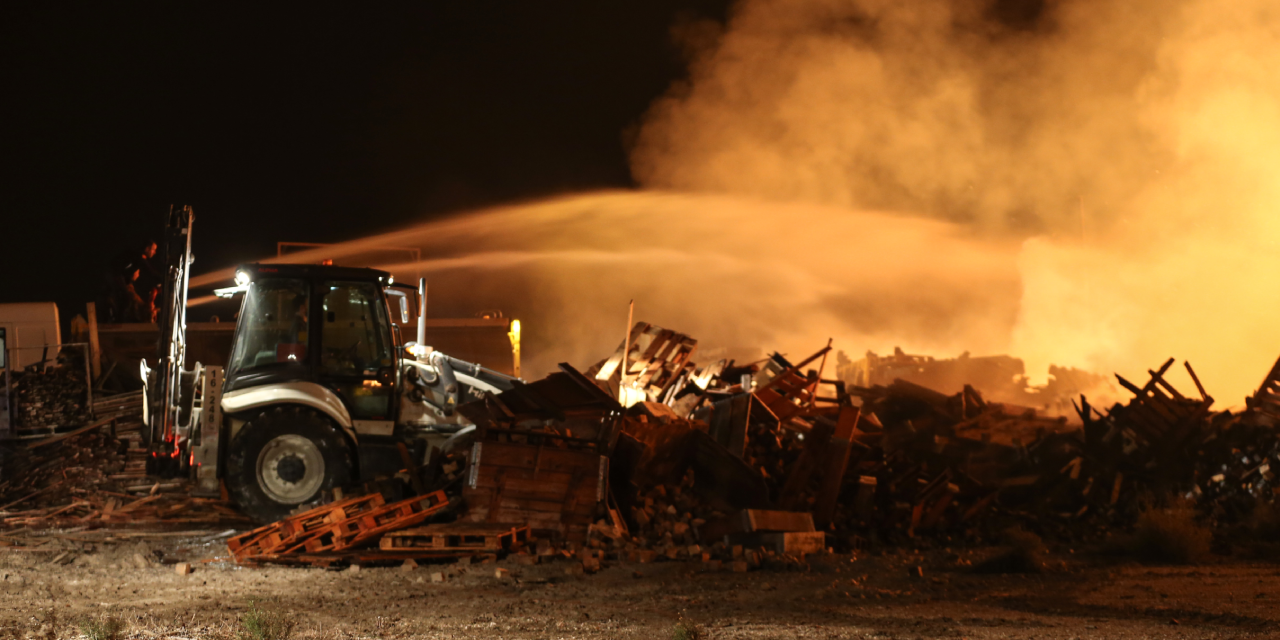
{"points": [[837, 596]]}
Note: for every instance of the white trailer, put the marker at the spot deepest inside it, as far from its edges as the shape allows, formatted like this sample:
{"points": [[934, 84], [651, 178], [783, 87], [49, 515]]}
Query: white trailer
{"points": [[28, 327]]}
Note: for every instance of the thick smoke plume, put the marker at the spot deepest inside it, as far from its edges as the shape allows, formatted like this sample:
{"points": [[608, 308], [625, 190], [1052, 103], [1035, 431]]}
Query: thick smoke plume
{"points": [[1133, 147]]}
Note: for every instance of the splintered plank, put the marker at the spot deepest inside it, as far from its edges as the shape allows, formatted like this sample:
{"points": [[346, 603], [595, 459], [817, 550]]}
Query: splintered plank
{"points": [[837, 461]]}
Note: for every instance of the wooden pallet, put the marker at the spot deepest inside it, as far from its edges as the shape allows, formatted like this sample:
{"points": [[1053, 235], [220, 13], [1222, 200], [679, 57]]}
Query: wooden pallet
{"points": [[791, 393], [459, 536], [354, 531], [1162, 416], [295, 530]]}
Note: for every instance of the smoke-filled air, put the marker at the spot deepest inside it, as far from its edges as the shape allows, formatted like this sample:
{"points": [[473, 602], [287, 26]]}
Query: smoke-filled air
{"points": [[1083, 183], [740, 275], [1132, 148]]}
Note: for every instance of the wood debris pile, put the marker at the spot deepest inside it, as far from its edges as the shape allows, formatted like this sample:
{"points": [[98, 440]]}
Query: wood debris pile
{"points": [[884, 464], [1002, 378], [44, 399], [93, 477], [648, 456]]}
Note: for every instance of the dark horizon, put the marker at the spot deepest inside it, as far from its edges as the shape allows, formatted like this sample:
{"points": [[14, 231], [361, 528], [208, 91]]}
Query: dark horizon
{"points": [[305, 127]]}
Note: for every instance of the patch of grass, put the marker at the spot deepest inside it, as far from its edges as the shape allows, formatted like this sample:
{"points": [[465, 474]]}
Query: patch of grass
{"points": [[265, 623], [1169, 535], [686, 630], [103, 628], [1024, 553]]}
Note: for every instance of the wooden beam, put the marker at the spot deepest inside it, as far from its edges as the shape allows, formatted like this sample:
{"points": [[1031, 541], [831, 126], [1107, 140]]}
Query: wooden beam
{"points": [[836, 463], [63, 436], [95, 353]]}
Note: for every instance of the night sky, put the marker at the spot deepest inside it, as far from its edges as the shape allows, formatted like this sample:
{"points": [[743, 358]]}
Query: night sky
{"points": [[304, 123]]}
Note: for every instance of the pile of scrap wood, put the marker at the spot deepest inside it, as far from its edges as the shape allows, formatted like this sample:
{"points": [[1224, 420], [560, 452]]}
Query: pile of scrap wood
{"points": [[647, 456], [1002, 378], [45, 399], [887, 463], [89, 477]]}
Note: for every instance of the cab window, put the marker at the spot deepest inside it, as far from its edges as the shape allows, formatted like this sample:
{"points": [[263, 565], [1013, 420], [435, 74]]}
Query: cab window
{"points": [[355, 339], [273, 324]]}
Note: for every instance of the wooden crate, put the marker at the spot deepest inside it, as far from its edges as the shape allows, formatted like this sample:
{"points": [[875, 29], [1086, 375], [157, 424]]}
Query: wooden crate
{"points": [[553, 490]]}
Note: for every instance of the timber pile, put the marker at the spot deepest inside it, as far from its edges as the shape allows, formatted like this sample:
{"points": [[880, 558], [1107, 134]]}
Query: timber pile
{"points": [[887, 464], [126, 408], [125, 412], [45, 399], [647, 456], [1001, 378], [81, 478]]}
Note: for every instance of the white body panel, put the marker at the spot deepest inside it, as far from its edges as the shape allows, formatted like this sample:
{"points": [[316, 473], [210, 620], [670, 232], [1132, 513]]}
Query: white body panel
{"points": [[308, 394]]}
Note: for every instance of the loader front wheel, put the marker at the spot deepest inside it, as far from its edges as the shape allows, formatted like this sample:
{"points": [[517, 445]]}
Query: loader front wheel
{"points": [[285, 457]]}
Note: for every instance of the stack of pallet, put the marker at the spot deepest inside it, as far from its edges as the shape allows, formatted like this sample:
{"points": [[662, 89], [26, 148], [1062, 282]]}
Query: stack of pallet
{"points": [[125, 411], [336, 532]]}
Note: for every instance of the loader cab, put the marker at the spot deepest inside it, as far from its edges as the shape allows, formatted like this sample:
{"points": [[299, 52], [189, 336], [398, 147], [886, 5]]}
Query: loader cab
{"points": [[310, 387], [318, 324]]}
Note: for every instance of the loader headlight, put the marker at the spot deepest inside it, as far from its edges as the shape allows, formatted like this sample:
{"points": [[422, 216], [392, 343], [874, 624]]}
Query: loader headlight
{"points": [[242, 278]]}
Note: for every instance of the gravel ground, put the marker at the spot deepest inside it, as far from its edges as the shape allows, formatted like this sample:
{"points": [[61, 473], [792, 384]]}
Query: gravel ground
{"points": [[838, 596]]}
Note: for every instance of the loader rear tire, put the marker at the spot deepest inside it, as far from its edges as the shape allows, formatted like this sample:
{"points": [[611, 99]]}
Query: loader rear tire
{"points": [[283, 458]]}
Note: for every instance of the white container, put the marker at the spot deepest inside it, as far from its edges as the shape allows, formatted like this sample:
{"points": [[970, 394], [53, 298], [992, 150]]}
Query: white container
{"points": [[29, 326]]}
